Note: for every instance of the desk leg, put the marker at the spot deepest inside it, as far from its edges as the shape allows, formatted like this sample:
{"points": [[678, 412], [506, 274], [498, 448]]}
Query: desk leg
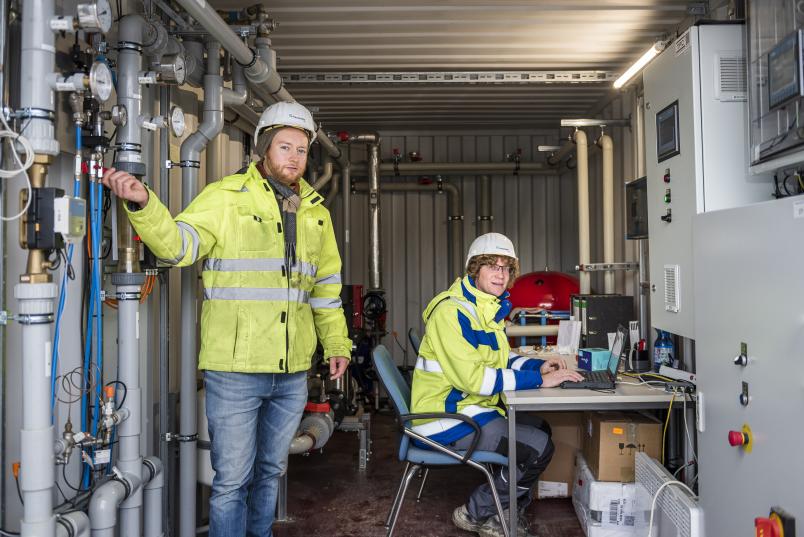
{"points": [[512, 504]]}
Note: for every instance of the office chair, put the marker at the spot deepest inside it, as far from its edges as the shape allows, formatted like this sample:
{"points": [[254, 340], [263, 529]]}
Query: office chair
{"points": [[416, 458]]}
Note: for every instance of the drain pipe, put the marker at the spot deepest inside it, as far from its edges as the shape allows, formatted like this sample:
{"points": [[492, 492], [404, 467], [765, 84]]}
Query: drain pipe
{"points": [[36, 290], [153, 476], [375, 259], [582, 152], [458, 168], [455, 210], [72, 524], [605, 143], [190, 154], [314, 431], [484, 217], [346, 185], [106, 500]]}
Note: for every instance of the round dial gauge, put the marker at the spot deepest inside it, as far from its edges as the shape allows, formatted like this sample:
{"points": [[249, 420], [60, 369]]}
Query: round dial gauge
{"points": [[100, 81], [94, 17], [173, 69], [177, 123]]}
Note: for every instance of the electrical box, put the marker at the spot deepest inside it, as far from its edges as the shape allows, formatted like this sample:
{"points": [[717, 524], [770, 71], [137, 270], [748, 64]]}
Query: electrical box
{"points": [[69, 218], [776, 88], [601, 315], [636, 206], [37, 231], [748, 323], [696, 157]]}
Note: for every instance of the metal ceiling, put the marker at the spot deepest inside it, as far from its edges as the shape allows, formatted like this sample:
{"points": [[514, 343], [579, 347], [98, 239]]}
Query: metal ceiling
{"points": [[393, 64]]}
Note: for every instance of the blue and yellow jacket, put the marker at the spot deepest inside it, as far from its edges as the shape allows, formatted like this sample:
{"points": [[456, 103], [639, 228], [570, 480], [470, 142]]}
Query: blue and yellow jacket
{"points": [[465, 361]]}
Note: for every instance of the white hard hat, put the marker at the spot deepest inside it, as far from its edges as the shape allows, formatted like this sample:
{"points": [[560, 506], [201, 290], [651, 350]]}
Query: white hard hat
{"points": [[491, 244], [287, 114]]}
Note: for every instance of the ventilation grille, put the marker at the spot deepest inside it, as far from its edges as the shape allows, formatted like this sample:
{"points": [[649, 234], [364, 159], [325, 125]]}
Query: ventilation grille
{"points": [[672, 286], [731, 78]]}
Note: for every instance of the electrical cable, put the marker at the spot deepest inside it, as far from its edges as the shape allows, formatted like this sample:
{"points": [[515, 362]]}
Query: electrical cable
{"points": [[666, 423], [656, 496], [23, 167], [9, 533], [125, 390]]}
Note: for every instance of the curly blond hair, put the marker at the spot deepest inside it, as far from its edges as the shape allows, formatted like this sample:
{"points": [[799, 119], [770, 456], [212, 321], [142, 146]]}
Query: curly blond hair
{"points": [[478, 261]]}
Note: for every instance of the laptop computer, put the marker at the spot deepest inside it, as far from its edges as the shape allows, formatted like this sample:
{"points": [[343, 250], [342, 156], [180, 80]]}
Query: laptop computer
{"points": [[605, 379]]}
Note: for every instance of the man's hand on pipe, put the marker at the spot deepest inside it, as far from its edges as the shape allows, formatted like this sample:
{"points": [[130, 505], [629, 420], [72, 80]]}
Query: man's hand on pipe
{"points": [[125, 186]]}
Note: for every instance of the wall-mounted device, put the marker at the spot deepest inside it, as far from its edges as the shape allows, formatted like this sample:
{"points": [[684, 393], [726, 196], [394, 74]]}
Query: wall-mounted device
{"points": [[636, 205], [667, 135], [784, 71]]}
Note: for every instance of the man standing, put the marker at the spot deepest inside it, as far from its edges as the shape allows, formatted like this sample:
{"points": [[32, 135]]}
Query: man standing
{"points": [[272, 287]]}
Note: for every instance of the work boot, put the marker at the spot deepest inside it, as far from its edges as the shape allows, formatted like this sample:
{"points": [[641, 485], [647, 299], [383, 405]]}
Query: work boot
{"points": [[462, 519], [493, 528]]}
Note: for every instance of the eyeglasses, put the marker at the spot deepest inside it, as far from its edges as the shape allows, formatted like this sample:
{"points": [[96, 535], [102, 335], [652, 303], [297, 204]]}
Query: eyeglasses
{"points": [[501, 269]]}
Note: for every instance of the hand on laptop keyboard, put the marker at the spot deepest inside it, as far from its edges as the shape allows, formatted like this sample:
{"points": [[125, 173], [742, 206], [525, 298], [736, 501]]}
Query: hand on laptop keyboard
{"points": [[554, 378]]}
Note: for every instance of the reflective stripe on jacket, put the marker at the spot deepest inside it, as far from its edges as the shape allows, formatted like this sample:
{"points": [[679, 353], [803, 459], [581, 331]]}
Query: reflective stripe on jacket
{"points": [[465, 361], [258, 314]]}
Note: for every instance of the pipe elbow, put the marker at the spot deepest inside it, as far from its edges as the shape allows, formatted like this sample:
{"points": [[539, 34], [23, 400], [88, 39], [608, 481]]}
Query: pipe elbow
{"points": [[105, 502], [232, 97], [152, 473], [72, 524], [605, 142], [131, 28]]}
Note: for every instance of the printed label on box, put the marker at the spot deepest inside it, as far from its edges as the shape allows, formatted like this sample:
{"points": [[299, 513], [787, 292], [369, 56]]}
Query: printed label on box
{"points": [[552, 489]]}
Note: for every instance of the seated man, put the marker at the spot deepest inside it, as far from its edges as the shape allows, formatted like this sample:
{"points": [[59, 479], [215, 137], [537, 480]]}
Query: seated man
{"points": [[465, 362]]}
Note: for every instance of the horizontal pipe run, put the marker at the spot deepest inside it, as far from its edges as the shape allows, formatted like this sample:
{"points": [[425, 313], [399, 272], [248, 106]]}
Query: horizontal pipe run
{"points": [[456, 168]]}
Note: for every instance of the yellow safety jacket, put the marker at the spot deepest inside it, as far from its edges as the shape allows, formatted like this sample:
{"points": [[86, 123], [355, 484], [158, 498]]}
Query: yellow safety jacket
{"points": [[465, 361], [258, 315]]}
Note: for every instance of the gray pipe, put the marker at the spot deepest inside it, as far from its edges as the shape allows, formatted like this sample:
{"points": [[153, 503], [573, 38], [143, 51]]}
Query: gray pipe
{"points": [[325, 177], [455, 209], [105, 502], [37, 457], [456, 168], [129, 65], [333, 190], [153, 476], [190, 157], [484, 217], [375, 254], [315, 430], [554, 159], [239, 92], [346, 185], [37, 63], [72, 524], [194, 61]]}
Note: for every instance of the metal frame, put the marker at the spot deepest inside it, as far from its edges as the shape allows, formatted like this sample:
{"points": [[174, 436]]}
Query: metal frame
{"points": [[449, 77]]}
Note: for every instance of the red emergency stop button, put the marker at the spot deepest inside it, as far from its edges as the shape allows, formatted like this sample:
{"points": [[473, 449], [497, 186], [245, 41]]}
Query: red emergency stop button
{"points": [[738, 438], [343, 136], [767, 527]]}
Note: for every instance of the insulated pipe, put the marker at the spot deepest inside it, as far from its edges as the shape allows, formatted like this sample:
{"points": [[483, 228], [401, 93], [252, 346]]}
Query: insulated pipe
{"points": [[455, 209], [582, 151], [129, 459], [605, 143], [190, 158], [326, 175], [265, 82], [153, 475], [37, 65], [346, 185], [375, 260], [484, 217], [105, 502], [72, 524], [554, 159], [315, 430], [531, 330], [37, 457], [457, 168]]}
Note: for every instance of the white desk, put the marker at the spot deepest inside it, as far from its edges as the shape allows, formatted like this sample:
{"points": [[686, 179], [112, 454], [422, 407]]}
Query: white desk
{"points": [[624, 397]]}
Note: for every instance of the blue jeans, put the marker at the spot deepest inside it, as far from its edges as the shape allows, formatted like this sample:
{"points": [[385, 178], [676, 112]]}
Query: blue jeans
{"points": [[252, 419]]}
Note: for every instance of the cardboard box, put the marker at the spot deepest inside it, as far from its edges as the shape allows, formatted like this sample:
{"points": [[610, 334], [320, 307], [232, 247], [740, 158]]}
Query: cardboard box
{"points": [[610, 440], [556, 481], [606, 509], [593, 359]]}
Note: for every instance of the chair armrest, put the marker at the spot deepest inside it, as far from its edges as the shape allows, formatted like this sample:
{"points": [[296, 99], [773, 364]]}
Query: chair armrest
{"points": [[404, 418]]}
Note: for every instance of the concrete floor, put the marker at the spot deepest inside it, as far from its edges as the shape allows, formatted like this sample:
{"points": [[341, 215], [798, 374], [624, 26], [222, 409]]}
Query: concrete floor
{"points": [[328, 496]]}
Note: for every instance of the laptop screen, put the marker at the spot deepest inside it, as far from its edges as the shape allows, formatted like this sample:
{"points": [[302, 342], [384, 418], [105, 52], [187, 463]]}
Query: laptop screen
{"points": [[616, 351]]}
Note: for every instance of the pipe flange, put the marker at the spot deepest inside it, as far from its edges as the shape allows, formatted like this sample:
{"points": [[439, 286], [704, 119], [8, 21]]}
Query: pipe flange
{"points": [[136, 169], [151, 468], [129, 45], [127, 296], [253, 61], [190, 164], [35, 113], [34, 318], [127, 278]]}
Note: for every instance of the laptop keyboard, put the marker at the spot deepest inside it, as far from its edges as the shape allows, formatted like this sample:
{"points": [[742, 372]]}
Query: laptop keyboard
{"points": [[596, 376]]}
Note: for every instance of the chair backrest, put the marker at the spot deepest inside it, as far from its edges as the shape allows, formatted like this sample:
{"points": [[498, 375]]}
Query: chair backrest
{"points": [[415, 340], [398, 390]]}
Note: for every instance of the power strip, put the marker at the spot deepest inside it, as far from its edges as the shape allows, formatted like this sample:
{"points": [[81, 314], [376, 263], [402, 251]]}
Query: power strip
{"points": [[677, 374]]}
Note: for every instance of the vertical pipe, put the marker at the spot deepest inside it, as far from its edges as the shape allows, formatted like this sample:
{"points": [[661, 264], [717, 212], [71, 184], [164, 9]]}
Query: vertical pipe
{"points": [[164, 302], [606, 144], [37, 63], [582, 152], [484, 217], [37, 455], [639, 137], [375, 261], [455, 239], [346, 188], [190, 153], [152, 496]]}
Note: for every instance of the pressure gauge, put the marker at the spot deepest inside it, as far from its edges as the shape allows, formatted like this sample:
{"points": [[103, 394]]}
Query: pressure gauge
{"points": [[100, 81], [172, 69], [177, 121], [95, 17]]}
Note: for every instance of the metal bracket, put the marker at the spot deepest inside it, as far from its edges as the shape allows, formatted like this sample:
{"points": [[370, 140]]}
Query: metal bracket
{"points": [[175, 437], [598, 267]]}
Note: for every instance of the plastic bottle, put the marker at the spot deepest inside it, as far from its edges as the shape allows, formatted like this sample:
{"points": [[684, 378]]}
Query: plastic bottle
{"points": [[663, 352]]}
